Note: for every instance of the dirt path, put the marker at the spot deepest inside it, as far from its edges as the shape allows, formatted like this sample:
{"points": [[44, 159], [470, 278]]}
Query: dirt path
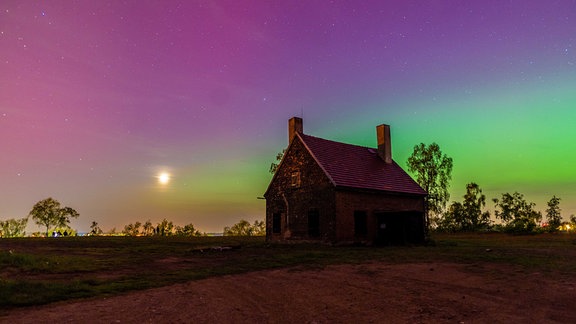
{"points": [[367, 293]]}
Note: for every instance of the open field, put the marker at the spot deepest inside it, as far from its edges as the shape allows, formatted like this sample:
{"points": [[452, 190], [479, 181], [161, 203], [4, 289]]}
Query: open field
{"points": [[467, 278]]}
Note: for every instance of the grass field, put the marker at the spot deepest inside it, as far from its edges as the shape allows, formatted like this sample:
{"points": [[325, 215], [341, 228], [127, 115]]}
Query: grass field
{"points": [[37, 271]]}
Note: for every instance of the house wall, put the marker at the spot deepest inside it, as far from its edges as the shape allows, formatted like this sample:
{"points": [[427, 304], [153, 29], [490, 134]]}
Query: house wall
{"points": [[314, 192], [375, 205]]}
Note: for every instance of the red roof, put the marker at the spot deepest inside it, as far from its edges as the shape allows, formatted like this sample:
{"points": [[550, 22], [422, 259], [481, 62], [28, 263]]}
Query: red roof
{"points": [[360, 167]]}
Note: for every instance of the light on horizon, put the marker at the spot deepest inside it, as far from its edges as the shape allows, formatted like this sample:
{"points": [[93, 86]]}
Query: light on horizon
{"points": [[164, 178]]}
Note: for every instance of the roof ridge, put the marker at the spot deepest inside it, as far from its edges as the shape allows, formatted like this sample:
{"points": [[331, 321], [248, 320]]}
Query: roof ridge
{"points": [[337, 142]]}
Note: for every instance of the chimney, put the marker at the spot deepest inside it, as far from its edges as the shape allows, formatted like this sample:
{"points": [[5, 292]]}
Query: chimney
{"points": [[384, 143], [294, 126]]}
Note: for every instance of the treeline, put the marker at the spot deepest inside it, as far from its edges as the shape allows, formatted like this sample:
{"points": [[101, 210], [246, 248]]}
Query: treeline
{"points": [[49, 214], [244, 228], [167, 228], [16, 228], [515, 214], [433, 172], [164, 228]]}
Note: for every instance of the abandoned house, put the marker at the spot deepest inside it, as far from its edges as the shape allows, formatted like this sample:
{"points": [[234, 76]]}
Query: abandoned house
{"points": [[341, 193]]}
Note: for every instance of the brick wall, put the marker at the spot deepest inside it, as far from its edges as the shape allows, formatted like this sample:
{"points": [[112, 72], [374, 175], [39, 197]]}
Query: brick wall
{"points": [[315, 191], [347, 202]]}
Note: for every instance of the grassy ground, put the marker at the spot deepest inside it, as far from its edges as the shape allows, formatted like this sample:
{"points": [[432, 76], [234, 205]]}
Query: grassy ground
{"points": [[37, 271]]}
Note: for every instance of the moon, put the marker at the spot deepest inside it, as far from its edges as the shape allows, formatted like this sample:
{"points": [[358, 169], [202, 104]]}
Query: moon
{"points": [[164, 178]]}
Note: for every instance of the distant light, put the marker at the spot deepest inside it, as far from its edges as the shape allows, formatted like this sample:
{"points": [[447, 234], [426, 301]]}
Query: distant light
{"points": [[164, 178]]}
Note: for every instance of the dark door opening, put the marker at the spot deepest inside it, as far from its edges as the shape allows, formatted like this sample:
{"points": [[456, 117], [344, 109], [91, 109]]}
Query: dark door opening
{"points": [[360, 224], [313, 223], [276, 223], [399, 228]]}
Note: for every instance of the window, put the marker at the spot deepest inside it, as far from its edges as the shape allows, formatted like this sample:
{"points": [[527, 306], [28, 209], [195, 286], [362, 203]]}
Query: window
{"points": [[295, 179], [313, 223], [360, 223], [276, 223]]}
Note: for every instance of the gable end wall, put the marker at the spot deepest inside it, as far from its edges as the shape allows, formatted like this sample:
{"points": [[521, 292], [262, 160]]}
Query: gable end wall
{"points": [[294, 203]]}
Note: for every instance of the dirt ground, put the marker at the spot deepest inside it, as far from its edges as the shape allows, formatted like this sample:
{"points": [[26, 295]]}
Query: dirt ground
{"points": [[365, 293]]}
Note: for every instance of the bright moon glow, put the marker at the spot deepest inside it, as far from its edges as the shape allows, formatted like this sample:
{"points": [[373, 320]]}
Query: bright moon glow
{"points": [[164, 178]]}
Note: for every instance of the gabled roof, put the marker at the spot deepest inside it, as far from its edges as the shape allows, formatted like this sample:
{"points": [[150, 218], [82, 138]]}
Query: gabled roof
{"points": [[358, 167]]}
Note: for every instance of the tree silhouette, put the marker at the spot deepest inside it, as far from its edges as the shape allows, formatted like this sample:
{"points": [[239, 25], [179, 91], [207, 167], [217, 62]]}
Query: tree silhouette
{"points": [[274, 165], [95, 230], [187, 230], [132, 229], [148, 228], [517, 214], [433, 171], [468, 215], [243, 228], [165, 228], [48, 213], [553, 214], [474, 202]]}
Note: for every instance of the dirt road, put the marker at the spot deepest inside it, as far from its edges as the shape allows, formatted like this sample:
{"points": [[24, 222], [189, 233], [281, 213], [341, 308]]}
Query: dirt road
{"points": [[365, 293]]}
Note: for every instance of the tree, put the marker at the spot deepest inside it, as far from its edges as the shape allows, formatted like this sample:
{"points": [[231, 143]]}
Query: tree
{"points": [[243, 228], [274, 166], [517, 214], [187, 230], [474, 202], [468, 215], [433, 171], [259, 228], [451, 221], [165, 228], [147, 228], [132, 229], [95, 230], [48, 213], [13, 227], [553, 214]]}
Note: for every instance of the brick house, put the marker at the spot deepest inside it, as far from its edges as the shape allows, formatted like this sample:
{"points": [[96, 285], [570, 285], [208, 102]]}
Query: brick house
{"points": [[342, 193]]}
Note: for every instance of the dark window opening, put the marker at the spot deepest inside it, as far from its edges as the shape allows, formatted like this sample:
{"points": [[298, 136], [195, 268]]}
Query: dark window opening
{"points": [[276, 223], [360, 223], [313, 223], [295, 179]]}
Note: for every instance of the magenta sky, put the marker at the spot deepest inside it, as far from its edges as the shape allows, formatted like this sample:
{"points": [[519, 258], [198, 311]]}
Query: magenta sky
{"points": [[98, 97]]}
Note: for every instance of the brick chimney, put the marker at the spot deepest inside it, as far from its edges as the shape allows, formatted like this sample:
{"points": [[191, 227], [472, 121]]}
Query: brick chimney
{"points": [[294, 126], [384, 143]]}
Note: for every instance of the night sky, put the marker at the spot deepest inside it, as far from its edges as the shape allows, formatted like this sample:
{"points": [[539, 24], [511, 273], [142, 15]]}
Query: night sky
{"points": [[98, 98]]}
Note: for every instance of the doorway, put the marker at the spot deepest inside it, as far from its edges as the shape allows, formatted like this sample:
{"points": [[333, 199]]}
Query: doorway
{"points": [[400, 228]]}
